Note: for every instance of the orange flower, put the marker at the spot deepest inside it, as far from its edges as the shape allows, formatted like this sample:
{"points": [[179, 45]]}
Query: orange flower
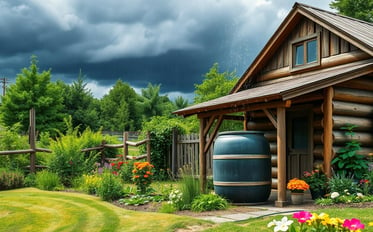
{"points": [[137, 177], [148, 172], [146, 176], [297, 185]]}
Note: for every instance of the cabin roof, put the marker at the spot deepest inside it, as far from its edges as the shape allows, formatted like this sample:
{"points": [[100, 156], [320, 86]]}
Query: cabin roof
{"points": [[294, 86], [357, 32]]}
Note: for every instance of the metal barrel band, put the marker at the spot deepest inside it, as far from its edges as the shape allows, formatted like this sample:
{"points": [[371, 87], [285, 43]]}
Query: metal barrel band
{"points": [[251, 183], [246, 156]]}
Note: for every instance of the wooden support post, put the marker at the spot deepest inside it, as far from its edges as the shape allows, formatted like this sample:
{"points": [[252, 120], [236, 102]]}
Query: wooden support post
{"points": [[32, 139], [202, 155], [245, 121], [328, 130], [174, 152], [281, 157], [148, 147], [125, 145]]}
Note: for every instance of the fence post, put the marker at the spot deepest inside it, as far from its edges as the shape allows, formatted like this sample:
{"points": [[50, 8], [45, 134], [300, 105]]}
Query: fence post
{"points": [[148, 147], [125, 146], [32, 140], [174, 152], [102, 151]]}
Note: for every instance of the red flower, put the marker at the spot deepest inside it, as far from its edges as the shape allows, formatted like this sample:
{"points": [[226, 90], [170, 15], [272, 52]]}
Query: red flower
{"points": [[112, 164], [115, 173], [146, 176]]}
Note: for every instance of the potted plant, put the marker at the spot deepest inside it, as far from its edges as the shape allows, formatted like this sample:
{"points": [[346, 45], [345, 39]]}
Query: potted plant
{"points": [[317, 181], [297, 188]]}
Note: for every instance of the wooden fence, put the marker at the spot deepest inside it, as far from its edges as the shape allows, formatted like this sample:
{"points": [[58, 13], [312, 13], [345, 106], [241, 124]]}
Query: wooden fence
{"points": [[185, 152]]}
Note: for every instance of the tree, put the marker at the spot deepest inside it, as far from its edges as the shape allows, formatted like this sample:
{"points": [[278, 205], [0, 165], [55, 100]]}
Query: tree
{"points": [[217, 85], [180, 102], [153, 104], [81, 105], [118, 109], [214, 85], [360, 9], [33, 90]]}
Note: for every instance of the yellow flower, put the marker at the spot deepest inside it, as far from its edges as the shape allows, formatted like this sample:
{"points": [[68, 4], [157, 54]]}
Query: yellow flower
{"points": [[370, 224]]}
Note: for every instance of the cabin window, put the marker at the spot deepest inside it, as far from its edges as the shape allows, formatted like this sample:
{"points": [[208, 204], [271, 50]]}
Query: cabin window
{"points": [[305, 53]]}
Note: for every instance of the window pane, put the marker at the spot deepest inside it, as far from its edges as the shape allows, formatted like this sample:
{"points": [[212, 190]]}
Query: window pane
{"points": [[311, 51], [299, 53]]}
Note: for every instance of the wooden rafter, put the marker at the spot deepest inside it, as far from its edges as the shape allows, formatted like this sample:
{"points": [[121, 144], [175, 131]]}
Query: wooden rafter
{"points": [[213, 134], [271, 117]]}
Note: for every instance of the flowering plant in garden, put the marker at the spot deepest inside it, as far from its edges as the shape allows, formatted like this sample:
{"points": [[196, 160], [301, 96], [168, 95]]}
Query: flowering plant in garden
{"points": [[307, 221], [176, 198], [116, 167], [316, 179], [142, 176], [296, 185]]}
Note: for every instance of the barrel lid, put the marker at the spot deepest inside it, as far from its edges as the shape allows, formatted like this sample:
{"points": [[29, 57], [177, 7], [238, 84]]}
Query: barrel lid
{"points": [[240, 132]]}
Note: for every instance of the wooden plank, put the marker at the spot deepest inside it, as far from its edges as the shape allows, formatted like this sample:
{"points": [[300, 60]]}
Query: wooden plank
{"points": [[334, 44], [325, 40], [202, 155], [32, 140], [353, 95], [328, 130]]}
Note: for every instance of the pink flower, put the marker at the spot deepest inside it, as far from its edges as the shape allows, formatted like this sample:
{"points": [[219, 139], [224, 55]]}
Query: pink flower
{"points": [[302, 216], [353, 224]]}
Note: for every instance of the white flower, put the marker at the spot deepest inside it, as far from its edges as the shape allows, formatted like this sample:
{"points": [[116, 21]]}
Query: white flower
{"points": [[334, 195], [282, 225], [360, 195]]}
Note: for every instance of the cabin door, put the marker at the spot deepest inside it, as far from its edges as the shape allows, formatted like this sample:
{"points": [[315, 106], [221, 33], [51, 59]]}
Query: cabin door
{"points": [[299, 141]]}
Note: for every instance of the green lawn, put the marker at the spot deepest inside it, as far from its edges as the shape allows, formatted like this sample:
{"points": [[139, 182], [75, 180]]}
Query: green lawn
{"points": [[30, 209]]}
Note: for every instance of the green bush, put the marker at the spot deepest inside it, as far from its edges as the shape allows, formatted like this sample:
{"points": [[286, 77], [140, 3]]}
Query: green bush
{"points": [[110, 187], [126, 171], [160, 128], [11, 179], [208, 202], [30, 180], [341, 183], [47, 180], [67, 160], [90, 183], [167, 208]]}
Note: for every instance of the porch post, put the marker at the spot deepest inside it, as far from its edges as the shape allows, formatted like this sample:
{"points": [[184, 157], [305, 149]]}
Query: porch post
{"points": [[328, 130], [281, 157], [202, 155]]}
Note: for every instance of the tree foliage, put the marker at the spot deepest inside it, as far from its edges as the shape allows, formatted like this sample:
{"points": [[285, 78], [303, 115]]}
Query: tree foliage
{"points": [[33, 89], [214, 85], [360, 9], [119, 111], [81, 105]]}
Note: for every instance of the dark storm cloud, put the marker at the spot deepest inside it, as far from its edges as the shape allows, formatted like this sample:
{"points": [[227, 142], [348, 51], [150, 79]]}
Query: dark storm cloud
{"points": [[172, 43]]}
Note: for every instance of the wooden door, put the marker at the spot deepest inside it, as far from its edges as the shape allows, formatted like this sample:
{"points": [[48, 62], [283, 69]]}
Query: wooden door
{"points": [[299, 142]]}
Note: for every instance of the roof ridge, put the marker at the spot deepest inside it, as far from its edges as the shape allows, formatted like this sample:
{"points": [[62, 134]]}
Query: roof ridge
{"points": [[302, 5]]}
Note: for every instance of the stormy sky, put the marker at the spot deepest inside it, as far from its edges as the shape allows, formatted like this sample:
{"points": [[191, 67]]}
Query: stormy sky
{"points": [[167, 42]]}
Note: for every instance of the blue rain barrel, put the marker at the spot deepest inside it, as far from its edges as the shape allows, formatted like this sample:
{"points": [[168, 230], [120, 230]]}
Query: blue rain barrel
{"points": [[242, 167]]}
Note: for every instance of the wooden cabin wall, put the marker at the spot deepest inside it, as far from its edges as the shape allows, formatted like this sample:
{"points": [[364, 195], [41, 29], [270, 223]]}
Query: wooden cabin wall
{"points": [[278, 65], [353, 103]]}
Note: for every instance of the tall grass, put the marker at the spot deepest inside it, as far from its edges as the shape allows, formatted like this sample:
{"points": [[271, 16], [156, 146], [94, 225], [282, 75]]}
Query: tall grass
{"points": [[189, 186], [46, 180]]}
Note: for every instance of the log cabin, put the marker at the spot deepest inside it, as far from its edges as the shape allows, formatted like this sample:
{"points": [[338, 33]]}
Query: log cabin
{"points": [[314, 75]]}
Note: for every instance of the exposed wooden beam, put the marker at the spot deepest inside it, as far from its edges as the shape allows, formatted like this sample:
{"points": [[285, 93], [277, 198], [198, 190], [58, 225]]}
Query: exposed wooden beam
{"points": [[328, 130], [271, 117], [209, 124], [247, 107], [213, 134]]}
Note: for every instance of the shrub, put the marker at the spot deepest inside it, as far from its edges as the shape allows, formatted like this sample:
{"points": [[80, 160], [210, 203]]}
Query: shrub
{"points": [[47, 180], [167, 208], [110, 187], [126, 171], [30, 180], [90, 183], [208, 202], [176, 199], [342, 184], [11, 179]]}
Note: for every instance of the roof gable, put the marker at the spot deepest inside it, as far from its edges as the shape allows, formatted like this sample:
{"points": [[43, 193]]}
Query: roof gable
{"points": [[356, 32]]}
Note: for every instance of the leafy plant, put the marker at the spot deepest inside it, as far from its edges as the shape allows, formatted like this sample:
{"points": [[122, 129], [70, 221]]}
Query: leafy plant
{"points": [[341, 183], [110, 188], [176, 199], [167, 208], [208, 202], [90, 183], [136, 200], [347, 160], [126, 171], [10, 179], [316, 179], [47, 180]]}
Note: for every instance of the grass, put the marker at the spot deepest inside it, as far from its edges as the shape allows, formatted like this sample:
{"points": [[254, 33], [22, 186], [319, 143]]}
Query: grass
{"points": [[30, 209]]}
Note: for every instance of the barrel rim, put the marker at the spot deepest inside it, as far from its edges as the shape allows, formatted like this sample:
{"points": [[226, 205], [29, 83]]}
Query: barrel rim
{"points": [[240, 132]]}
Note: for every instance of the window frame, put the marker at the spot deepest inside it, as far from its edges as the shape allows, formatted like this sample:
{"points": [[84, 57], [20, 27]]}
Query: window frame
{"points": [[303, 41]]}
